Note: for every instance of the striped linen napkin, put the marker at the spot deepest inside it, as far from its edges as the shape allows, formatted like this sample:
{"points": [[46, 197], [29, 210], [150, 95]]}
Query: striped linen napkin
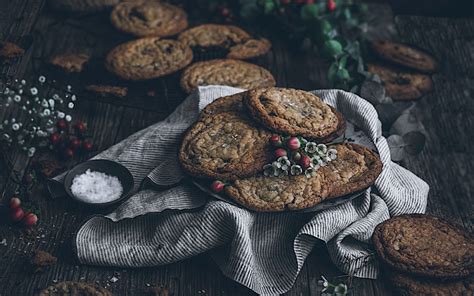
{"points": [[263, 251]]}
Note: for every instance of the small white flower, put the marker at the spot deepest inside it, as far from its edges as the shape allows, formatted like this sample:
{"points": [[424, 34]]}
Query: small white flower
{"points": [[23, 82], [20, 91], [51, 103], [268, 170], [69, 88], [340, 290], [68, 118], [70, 105], [61, 115], [310, 147], [34, 91], [73, 98], [323, 282], [17, 98], [56, 97], [284, 162], [31, 151], [296, 170], [326, 159], [332, 154], [5, 122], [15, 126], [46, 112], [13, 120], [42, 79], [44, 103], [321, 149]]}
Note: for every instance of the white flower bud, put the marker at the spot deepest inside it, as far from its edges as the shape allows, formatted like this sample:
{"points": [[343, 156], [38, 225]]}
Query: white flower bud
{"points": [[68, 118]]}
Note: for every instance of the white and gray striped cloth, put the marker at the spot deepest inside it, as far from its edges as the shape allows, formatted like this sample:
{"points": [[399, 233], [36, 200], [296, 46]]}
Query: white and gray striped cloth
{"points": [[263, 251]]}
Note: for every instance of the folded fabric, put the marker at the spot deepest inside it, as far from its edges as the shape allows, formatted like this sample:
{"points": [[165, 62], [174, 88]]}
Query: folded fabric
{"points": [[263, 251]]}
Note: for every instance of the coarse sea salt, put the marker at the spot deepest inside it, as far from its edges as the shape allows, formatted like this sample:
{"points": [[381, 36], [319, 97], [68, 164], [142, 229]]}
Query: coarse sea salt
{"points": [[96, 187]]}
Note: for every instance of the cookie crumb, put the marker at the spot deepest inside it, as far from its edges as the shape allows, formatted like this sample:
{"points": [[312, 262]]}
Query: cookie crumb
{"points": [[72, 63], [9, 50], [105, 90], [157, 291], [42, 260]]}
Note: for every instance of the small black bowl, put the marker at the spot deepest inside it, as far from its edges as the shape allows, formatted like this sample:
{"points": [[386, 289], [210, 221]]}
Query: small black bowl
{"points": [[108, 167]]}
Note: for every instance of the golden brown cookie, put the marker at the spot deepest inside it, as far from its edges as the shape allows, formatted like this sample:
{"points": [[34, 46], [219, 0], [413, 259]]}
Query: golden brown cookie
{"points": [[105, 90], [225, 72], [42, 260], [74, 288], [294, 112], [404, 55], [402, 85], [415, 286], [70, 62], [356, 168], [237, 41], [149, 18], [424, 245], [224, 146], [225, 104], [148, 58], [9, 50], [82, 5]]}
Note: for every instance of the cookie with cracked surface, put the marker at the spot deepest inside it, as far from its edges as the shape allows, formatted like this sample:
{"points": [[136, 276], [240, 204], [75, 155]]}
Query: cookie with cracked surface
{"points": [[239, 43], [82, 5], [74, 288], [148, 58], [355, 169], [415, 286], [70, 62], [295, 112], [149, 18], [232, 103], [400, 84], [224, 146], [225, 72], [425, 245], [404, 55]]}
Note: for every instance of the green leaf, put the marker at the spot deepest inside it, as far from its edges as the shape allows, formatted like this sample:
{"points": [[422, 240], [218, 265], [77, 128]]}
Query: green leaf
{"points": [[415, 142], [268, 6], [343, 61], [343, 74], [249, 11], [309, 11], [325, 27], [333, 47], [332, 72]]}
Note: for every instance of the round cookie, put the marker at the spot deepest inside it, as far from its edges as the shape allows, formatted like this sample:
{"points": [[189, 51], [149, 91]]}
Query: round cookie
{"points": [[225, 104], [407, 285], [82, 5], [424, 245], [149, 18], [355, 169], [224, 146], [294, 112], [148, 58], [404, 55], [74, 288], [249, 49], [402, 85], [225, 72]]}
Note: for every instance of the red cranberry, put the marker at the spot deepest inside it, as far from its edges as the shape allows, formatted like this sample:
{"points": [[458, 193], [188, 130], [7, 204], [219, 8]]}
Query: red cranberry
{"points": [[217, 186], [280, 152], [15, 202], [55, 138], [331, 5], [224, 11], [68, 153], [87, 145], [30, 219], [75, 143], [17, 214], [305, 162], [80, 127], [293, 143], [275, 140], [62, 124]]}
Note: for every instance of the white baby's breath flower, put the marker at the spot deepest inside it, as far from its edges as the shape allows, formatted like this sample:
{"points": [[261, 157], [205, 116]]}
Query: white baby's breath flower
{"points": [[46, 112], [23, 81], [73, 98], [15, 126], [34, 91], [17, 98], [68, 118], [296, 170], [51, 103], [311, 147], [321, 149], [61, 115], [44, 103], [42, 79], [332, 154], [70, 105], [31, 151]]}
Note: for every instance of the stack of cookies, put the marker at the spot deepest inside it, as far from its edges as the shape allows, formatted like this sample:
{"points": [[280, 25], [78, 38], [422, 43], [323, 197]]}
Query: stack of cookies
{"points": [[151, 56], [267, 149], [425, 255]]}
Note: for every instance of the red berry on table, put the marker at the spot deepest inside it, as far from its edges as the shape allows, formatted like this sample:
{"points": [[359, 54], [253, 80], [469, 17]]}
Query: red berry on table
{"points": [[217, 186], [224, 11], [54, 138], [293, 143], [87, 145], [275, 140], [69, 153], [309, 1], [80, 127], [331, 5], [280, 152], [75, 143], [15, 203], [305, 162], [17, 214], [30, 219], [62, 124]]}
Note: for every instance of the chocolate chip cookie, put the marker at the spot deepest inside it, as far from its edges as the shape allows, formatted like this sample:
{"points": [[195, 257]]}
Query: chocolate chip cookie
{"points": [[74, 288], [413, 286], [295, 112], [424, 245], [225, 72], [225, 104], [355, 169], [148, 58], [149, 18], [239, 43], [404, 55], [82, 5], [224, 146], [70, 62], [400, 84]]}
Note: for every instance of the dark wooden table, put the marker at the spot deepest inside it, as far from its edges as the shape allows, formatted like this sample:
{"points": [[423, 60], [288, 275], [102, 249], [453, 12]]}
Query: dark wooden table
{"points": [[447, 162]]}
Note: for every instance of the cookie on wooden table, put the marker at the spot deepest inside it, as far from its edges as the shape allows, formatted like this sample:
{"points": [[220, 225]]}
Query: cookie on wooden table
{"points": [[148, 58], [225, 104], [415, 286], [74, 288], [82, 5], [356, 168], [225, 72], [224, 146], [424, 245], [404, 55], [239, 42], [149, 18], [295, 112], [70, 62], [402, 85]]}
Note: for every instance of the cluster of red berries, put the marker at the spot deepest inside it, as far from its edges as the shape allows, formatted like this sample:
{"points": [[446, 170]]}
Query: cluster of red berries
{"points": [[226, 14], [17, 214], [331, 4], [293, 144], [69, 142]]}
